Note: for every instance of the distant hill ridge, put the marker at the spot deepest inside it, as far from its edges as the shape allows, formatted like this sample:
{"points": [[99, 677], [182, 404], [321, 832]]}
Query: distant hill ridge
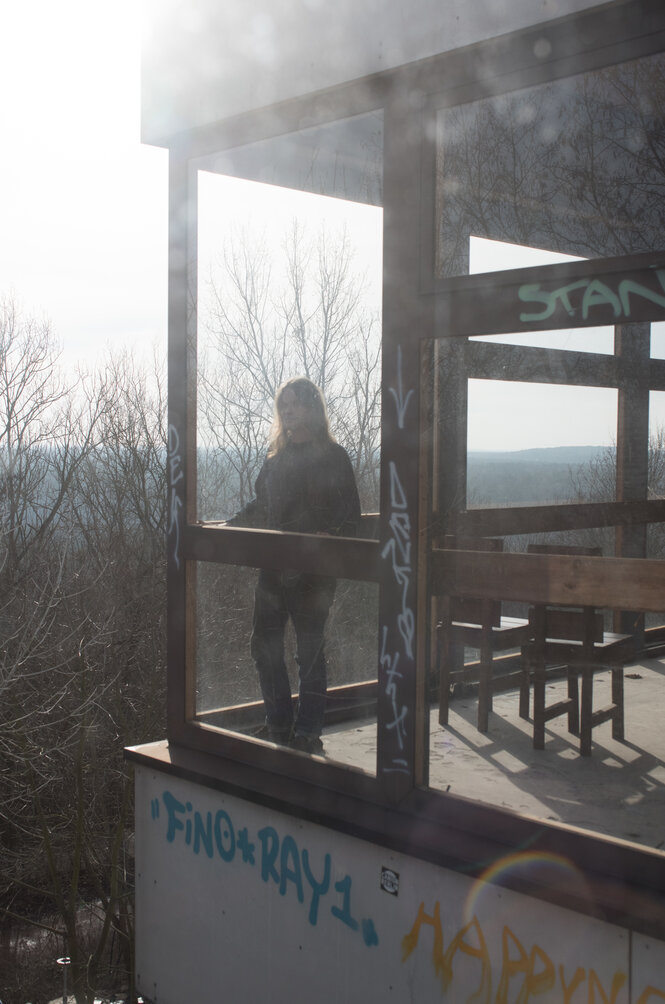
{"points": [[526, 477], [541, 455]]}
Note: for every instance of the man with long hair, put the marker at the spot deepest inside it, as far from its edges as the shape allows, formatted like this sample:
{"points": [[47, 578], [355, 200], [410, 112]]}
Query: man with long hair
{"points": [[306, 485]]}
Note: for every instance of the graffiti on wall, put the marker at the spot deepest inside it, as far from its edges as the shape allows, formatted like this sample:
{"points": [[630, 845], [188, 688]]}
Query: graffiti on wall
{"points": [[580, 298], [486, 953], [176, 476], [277, 858], [525, 970], [397, 550]]}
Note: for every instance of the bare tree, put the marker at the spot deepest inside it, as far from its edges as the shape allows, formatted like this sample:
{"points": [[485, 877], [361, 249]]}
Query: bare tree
{"points": [[596, 482], [82, 599], [575, 165], [257, 331]]}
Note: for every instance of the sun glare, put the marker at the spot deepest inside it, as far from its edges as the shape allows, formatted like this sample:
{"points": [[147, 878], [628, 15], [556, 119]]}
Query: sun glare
{"points": [[83, 204]]}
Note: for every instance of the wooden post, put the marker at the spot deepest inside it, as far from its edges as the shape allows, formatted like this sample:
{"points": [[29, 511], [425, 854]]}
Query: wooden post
{"points": [[632, 349], [181, 454], [401, 709]]}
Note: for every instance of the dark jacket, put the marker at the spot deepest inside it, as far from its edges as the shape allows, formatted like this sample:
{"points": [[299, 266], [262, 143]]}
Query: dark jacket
{"points": [[305, 488]]}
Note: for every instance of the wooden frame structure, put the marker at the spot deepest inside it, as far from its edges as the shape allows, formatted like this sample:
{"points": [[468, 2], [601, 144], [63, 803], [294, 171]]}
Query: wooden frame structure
{"points": [[427, 322]]}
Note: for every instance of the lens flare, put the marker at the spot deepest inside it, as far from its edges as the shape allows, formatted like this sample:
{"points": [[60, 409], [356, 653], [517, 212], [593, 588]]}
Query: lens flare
{"points": [[527, 869]]}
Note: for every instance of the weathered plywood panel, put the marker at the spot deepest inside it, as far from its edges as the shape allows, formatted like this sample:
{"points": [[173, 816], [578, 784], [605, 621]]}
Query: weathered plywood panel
{"points": [[236, 901], [648, 959]]}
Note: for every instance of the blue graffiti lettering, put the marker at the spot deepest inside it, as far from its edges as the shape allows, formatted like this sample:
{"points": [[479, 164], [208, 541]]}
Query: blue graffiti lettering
{"points": [[224, 839], [344, 913], [173, 806], [282, 861], [319, 889], [245, 846], [203, 834], [596, 294], [268, 835], [370, 937], [293, 873]]}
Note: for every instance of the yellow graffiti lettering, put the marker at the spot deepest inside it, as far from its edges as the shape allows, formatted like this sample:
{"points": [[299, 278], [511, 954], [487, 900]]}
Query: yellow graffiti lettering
{"points": [[568, 991], [511, 966], [618, 981], [524, 964], [410, 940], [539, 983], [443, 963], [535, 966], [649, 993], [484, 991]]}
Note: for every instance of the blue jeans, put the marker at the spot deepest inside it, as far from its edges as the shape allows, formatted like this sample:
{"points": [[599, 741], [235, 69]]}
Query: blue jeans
{"points": [[306, 599]]}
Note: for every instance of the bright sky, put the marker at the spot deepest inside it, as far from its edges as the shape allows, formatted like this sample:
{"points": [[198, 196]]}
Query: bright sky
{"points": [[83, 205], [265, 213], [83, 214]]}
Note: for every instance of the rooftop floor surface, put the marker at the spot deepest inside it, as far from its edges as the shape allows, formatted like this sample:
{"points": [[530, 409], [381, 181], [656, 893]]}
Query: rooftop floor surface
{"points": [[618, 791]]}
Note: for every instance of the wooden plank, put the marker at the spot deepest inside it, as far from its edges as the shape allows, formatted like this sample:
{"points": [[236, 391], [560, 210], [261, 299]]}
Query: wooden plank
{"points": [[614, 583], [341, 557], [496, 361], [399, 754], [179, 453], [632, 343], [513, 520], [343, 703], [578, 294], [572, 625]]}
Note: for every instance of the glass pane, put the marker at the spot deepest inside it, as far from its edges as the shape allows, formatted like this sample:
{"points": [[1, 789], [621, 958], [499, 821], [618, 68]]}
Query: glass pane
{"points": [[531, 466], [289, 262], [573, 166], [288, 285], [496, 256], [658, 340], [229, 691], [513, 421]]}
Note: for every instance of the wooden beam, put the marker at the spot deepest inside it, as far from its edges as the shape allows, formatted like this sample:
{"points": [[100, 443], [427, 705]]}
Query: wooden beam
{"points": [[180, 460], [614, 583], [550, 518], [632, 344], [575, 294], [525, 364], [340, 557], [401, 724]]}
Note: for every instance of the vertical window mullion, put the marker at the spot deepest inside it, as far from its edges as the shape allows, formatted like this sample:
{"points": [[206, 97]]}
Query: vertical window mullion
{"points": [[401, 709]]}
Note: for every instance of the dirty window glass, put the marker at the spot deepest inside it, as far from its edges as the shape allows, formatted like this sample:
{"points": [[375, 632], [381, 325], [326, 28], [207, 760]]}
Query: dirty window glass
{"points": [[229, 685], [287, 283], [574, 166], [549, 446]]}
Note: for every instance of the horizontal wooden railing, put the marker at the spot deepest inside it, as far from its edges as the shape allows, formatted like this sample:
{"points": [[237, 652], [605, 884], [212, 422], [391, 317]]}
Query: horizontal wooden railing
{"points": [[516, 520], [615, 583], [340, 557]]}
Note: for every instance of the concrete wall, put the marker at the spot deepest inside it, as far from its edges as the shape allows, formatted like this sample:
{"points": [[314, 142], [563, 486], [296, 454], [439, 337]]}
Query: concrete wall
{"points": [[236, 902], [206, 60]]}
